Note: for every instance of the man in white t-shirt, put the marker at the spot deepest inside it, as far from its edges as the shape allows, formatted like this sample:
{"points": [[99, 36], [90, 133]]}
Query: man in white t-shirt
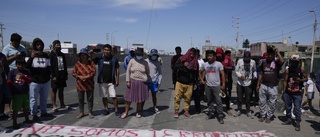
{"points": [[309, 91]]}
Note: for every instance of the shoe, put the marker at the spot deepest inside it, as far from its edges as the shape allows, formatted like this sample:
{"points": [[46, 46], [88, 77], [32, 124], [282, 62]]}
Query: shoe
{"points": [[287, 122], [250, 115], [302, 110], [187, 114], [81, 115], [54, 109], [268, 120], [210, 116], [262, 119], [176, 114], [4, 117], [117, 113], [90, 115], [198, 111], [35, 118], [229, 113], [297, 127], [156, 110], [106, 112], [124, 115], [238, 113], [46, 115], [231, 103], [138, 115], [65, 107], [220, 120]]}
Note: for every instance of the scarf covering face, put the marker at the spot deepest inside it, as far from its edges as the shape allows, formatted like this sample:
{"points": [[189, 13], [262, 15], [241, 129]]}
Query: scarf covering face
{"points": [[193, 62]]}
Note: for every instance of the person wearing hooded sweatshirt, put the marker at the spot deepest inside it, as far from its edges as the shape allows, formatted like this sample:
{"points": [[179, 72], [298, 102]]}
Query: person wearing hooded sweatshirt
{"points": [[187, 67], [228, 66], [39, 65], [59, 74], [246, 71], [130, 55], [293, 83], [267, 85]]}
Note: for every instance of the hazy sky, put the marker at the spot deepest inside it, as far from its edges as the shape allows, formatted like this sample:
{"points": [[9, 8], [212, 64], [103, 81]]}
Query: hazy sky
{"points": [[161, 24]]}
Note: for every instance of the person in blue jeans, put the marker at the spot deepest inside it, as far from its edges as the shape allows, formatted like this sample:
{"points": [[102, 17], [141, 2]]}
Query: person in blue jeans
{"points": [[293, 83], [39, 65]]}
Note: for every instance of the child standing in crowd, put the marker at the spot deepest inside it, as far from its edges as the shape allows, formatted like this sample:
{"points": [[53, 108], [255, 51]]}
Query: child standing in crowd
{"points": [[309, 92], [18, 80], [155, 76]]}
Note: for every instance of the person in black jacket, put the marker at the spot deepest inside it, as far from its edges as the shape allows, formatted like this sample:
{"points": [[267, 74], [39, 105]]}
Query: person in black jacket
{"points": [[59, 74], [39, 65], [187, 73]]}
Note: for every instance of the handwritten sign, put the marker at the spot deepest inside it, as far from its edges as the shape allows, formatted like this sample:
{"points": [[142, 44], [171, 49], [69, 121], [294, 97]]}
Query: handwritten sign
{"points": [[41, 130]]}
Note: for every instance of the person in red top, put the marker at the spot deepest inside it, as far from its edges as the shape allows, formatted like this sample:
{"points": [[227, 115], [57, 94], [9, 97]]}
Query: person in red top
{"points": [[228, 67], [84, 71]]}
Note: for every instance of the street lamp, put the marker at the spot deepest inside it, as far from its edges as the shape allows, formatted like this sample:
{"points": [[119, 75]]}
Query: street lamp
{"points": [[314, 38], [127, 43], [112, 36]]}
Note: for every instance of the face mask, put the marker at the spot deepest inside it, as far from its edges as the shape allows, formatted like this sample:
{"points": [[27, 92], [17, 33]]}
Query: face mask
{"points": [[154, 57], [58, 49], [139, 57]]}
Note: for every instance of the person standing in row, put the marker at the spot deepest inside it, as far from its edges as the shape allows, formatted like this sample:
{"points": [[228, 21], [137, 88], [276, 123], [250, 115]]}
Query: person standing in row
{"points": [[11, 52], [108, 78], [293, 83], [18, 81], [187, 74], [268, 84], [59, 74], [84, 71], [228, 66], [173, 63], [131, 55], [309, 92], [136, 78], [39, 65], [155, 77], [197, 94], [246, 72], [210, 73]]}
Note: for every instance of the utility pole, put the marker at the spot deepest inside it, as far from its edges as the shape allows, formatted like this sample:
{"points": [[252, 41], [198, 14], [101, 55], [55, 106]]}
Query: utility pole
{"points": [[236, 25], [314, 38], [1, 28], [107, 36]]}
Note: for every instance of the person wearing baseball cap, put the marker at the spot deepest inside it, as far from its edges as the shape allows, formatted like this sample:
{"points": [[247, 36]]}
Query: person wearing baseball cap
{"points": [[131, 54]]}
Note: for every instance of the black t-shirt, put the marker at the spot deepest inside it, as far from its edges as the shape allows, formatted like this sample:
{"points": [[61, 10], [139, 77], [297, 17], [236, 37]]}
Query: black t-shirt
{"points": [[107, 70]]}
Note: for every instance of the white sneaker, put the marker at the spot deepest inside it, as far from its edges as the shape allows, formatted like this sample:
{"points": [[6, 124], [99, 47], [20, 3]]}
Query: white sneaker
{"points": [[231, 103], [156, 110], [302, 110]]}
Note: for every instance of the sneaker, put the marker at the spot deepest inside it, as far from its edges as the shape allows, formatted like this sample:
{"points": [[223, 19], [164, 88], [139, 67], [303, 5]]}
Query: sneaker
{"points": [[238, 113], [268, 120], [176, 114], [106, 112], [46, 115], [297, 127], [4, 117], [156, 110], [287, 122], [302, 110], [262, 119], [231, 103], [250, 115], [117, 114], [187, 114], [220, 120]]}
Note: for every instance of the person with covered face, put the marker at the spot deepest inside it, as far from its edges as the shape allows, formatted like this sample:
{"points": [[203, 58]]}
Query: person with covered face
{"points": [[130, 55], [173, 63], [39, 65], [267, 85], [136, 79], [293, 83], [59, 74], [187, 74], [246, 72], [228, 66]]}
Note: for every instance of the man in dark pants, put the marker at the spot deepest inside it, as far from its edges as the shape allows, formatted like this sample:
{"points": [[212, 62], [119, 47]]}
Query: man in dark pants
{"points": [[173, 62], [197, 93]]}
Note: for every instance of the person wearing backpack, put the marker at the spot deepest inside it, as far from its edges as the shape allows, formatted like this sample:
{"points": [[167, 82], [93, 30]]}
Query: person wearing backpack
{"points": [[293, 83]]}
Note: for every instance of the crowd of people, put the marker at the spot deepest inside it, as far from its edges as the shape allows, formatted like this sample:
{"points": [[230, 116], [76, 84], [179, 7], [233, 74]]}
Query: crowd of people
{"points": [[25, 77], [260, 78]]}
